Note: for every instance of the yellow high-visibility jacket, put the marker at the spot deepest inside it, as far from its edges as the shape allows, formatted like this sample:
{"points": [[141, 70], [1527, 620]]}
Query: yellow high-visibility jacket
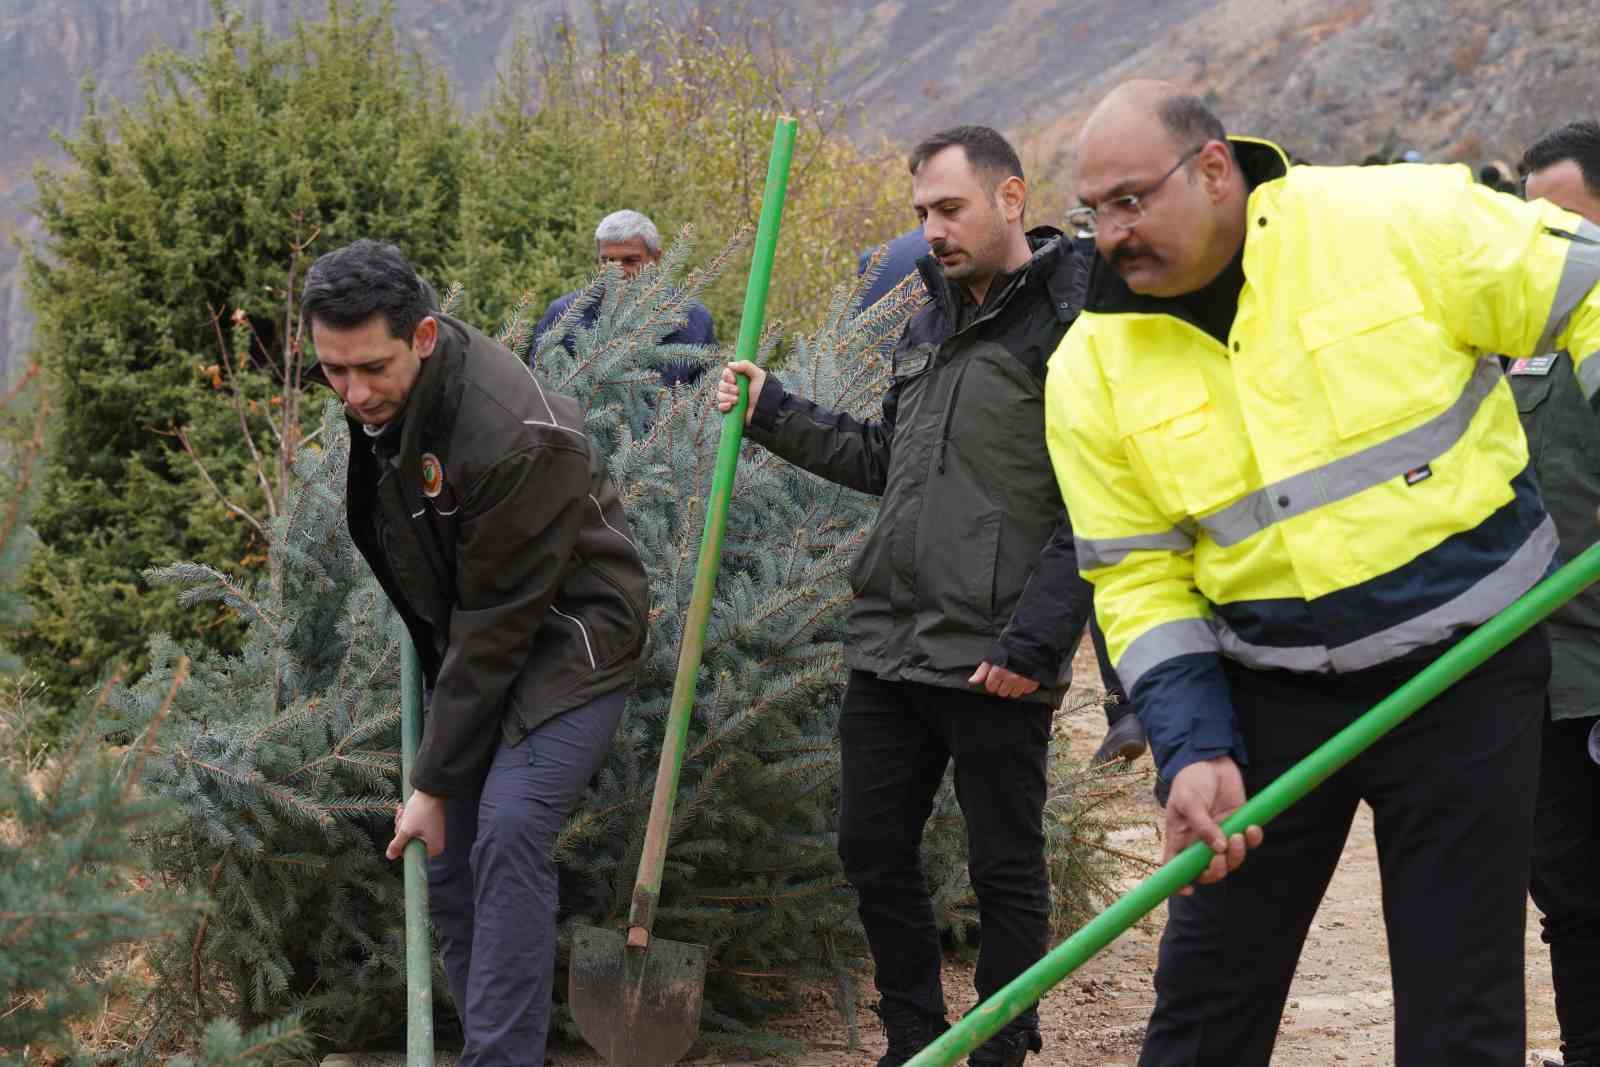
{"points": [[1343, 482]]}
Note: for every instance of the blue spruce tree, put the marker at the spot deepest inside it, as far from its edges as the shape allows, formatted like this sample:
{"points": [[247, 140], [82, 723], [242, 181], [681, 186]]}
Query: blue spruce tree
{"points": [[70, 889], [283, 759]]}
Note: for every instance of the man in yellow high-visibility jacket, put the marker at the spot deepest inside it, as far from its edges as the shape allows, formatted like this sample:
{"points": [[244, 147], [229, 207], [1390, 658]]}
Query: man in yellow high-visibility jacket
{"points": [[1297, 476]]}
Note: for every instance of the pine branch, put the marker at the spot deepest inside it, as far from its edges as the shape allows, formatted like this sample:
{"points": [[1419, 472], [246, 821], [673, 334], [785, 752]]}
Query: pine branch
{"points": [[196, 985], [180, 675], [238, 406]]}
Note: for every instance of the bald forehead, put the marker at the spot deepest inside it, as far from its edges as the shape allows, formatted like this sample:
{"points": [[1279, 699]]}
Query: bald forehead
{"points": [[1125, 130], [1137, 101], [1118, 150], [1110, 126]]}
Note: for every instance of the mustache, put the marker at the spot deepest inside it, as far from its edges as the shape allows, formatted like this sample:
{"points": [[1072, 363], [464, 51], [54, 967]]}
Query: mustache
{"points": [[941, 248], [1120, 257]]}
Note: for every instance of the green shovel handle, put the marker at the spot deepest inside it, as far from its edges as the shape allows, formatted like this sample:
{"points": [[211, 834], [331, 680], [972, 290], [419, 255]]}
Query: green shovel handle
{"points": [[984, 1021], [647, 888], [419, 942]]}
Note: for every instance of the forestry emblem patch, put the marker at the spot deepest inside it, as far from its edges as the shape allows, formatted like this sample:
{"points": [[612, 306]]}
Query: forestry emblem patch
{"points": [[432, 475]]}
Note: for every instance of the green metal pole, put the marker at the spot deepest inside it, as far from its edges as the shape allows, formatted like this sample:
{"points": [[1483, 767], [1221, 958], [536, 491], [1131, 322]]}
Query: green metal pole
{"points": [[653, 859], [419, 945], [984, 1021]]}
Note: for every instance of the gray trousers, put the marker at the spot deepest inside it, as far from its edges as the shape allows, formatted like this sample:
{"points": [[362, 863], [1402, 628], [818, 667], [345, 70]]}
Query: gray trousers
{"points": [[492, 892]]}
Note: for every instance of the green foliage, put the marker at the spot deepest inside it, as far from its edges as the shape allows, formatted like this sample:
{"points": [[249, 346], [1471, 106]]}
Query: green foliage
{"points": [[185, 207], [224, 1044], [282, 760], [529, 204], [168, 328], [66, 897], [679, 120], [73, 892], [24, 412], [752, 870], [201, 204]]}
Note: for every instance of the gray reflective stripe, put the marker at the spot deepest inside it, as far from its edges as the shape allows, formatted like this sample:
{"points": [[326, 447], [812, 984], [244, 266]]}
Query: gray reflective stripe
{"points": [[1477, 605], [1589, 375], [1105, 552], [1579, 274], [1181, 637], [1307, 659], [1355, 473]]}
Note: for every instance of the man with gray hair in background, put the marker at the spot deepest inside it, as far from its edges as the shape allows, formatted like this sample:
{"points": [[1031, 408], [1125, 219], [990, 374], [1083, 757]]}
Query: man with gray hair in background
{"points": [[631, 241]]}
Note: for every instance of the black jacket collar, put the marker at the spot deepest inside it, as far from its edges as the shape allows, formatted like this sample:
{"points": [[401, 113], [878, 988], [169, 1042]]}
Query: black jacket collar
{"points": [[1054, 260], [1261, 162]]}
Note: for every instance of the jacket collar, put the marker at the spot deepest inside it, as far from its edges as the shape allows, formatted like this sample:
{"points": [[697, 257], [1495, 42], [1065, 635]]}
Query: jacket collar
{"points": [[1054, 259], [1261, 161]]}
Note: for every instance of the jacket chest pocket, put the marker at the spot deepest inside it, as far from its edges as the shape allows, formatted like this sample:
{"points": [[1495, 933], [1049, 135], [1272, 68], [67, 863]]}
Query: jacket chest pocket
{"points": [[1559, 425], [1181, 445], [1378, 358], [911, 362], [1532, 395]]}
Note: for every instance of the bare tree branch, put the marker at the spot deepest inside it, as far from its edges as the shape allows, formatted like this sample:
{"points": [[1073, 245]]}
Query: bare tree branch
{"points": [[183, 439], [238, 407]]}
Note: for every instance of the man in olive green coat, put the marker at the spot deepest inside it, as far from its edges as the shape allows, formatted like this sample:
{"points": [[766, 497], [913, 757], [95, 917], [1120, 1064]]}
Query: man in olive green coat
{"points": [[967, 602], [1564, 441]]}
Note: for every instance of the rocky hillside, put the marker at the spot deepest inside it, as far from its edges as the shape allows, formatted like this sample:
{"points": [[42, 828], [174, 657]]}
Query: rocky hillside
{"points": [[1332, 79]]}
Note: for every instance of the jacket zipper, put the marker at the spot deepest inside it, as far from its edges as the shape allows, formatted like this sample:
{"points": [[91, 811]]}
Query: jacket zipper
{"points": [[955, 392], [950, 411]]}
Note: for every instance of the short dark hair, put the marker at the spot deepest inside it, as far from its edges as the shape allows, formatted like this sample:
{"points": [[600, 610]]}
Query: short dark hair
{"points": [[1577, 141], [986, 150], [1190, 122], [349, 285]]}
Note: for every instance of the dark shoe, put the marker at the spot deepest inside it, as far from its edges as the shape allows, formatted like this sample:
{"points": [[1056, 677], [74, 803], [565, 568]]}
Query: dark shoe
{"points": [[1125, 740], [908, 1030], [1008, 1048]]}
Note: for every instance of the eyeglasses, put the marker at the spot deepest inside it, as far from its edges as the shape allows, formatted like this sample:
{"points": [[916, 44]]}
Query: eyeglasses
{"points": [[1124, 211]]}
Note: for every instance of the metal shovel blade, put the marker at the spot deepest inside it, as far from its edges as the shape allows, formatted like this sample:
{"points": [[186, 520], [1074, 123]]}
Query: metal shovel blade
{"points": [[636, 1007]]}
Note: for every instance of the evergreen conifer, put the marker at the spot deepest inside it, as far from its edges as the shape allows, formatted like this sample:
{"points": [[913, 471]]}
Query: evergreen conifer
{"points": [[185, 205], [71, 888], [282, 757]]}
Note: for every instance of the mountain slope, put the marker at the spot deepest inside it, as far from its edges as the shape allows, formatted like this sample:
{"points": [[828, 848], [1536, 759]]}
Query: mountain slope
{"points": [[1473, 80]]}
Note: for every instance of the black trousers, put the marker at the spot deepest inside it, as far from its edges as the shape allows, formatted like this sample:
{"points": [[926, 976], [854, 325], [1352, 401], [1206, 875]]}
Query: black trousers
{"points": [[1452, 794], [896, 738], [1566, 881]]}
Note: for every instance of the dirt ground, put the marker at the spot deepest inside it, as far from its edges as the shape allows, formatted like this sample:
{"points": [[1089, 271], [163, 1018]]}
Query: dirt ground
{"points": [[1340, 1008]]}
